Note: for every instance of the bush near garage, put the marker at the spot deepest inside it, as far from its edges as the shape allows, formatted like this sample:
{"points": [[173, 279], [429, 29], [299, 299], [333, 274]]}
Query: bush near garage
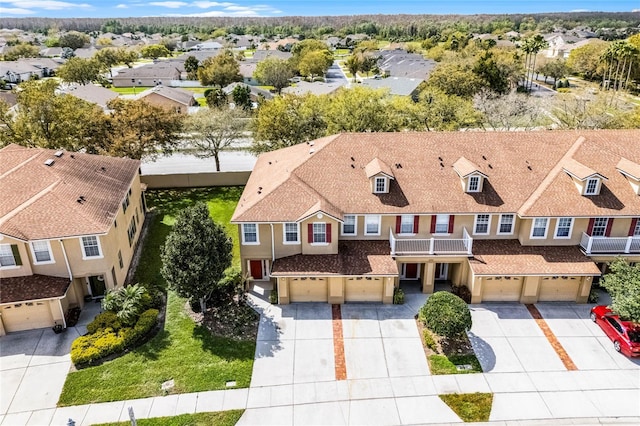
{"points": [[446, 314], [107, 340]]}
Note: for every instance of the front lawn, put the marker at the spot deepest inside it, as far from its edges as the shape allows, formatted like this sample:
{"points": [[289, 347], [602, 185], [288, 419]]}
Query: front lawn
{"points": [[129, 90], [443, 364], [470, 407], [220, 418], [183, 351]]}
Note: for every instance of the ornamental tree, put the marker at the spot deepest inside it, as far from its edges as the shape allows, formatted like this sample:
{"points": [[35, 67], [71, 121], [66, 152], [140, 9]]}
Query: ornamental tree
{"points": [[195, 255], [623, 284], [446, 314]]}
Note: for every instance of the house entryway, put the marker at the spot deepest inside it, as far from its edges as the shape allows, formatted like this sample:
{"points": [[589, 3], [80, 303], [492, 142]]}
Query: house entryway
{"points": [[410, 271], [97, 286], [442, 272]]}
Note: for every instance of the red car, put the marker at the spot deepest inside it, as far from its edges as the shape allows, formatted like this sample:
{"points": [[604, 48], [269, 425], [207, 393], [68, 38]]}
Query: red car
{"points": [[625, 335]]}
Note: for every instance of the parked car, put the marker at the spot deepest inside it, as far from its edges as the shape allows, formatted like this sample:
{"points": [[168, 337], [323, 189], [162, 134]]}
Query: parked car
{"points": [[625, 335]]}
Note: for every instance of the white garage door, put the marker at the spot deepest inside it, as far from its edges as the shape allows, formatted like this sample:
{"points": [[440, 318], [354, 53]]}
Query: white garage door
{"points": [[363, 289], [501, 289], [559, 289], [308, 289], [26, 316]]}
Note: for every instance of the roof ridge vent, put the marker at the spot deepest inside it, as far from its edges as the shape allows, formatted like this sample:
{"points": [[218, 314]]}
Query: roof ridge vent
{"points": [[49, 162], [59, 154]]}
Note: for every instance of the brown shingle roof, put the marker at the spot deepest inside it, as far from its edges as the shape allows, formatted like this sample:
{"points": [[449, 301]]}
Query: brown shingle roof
{"points": [[377, 166], [353, 258], [629, 167], [508, 257], [39, 201], [525, 171], [180, 96], [578, 170], [465, 167], [32, 287]]}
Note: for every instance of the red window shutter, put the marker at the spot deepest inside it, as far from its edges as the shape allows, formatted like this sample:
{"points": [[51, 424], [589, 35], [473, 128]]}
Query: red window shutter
{"points": [[328, 230], [416, 224], [451, 217], [607, 232], [433, 223], [398, 224], [632, 228], [590, 227], [310, 231]]}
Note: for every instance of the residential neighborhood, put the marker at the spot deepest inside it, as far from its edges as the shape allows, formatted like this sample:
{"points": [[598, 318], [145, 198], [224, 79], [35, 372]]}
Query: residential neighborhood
{"points": [[229, 214]]}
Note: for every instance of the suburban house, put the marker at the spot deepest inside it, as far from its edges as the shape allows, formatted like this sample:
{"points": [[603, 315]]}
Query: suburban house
{"points": [[92, 93], [400, 63], [69, 224], [161, 72], [178, 100], [397, 86], [560, 46], [514, 216]]}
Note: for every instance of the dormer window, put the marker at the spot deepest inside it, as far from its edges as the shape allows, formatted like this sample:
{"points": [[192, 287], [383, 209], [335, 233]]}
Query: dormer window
{"points": [[474, 184], [591, 188], [587, 180], [381, 185], [470, 175]]}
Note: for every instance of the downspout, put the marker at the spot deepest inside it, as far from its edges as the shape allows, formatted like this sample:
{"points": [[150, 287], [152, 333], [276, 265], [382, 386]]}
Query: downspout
{"points": [[273, 248], [66, 260], [64, 321]]}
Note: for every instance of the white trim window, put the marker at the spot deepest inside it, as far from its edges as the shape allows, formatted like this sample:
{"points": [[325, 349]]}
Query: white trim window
{"points": [[564, 227], [591, 187], [91, 247], [250, 234], [636, 230], [7, 260], [473, 184], [539, 227], [291, 233], [380, 185], [442, 224], [482, 224], [599, 226], [41, 251], [319, 233], [350, 225], [505, 227], [372, 224], [406, 224]]}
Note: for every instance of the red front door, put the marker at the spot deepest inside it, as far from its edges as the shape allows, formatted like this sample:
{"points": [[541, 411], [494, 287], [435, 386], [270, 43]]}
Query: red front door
{"points": [[411, 271], [256, 269]]}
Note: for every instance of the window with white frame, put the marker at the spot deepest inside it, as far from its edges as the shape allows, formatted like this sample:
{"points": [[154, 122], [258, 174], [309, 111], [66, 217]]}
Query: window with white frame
{"points": [[442, 223], [6, 256], [380, 185], [319, 233], [41, 252], [90, 247], [563, 227], [406, 224], [592, 187], [636, 230], [250, 233], [506, 224], [131, 231], [599, 227], [539, 228], [474, 184], [291, 233], [349, 225], [372, 225], [481, 226]]}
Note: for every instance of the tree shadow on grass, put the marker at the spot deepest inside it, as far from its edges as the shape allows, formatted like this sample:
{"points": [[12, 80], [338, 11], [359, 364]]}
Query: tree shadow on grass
{"points": [[172, 201], [224, 347], [152, 349]]}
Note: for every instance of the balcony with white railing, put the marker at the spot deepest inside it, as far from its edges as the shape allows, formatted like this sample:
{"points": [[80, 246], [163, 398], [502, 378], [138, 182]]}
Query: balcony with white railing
{"points": [[431, 246], [610, 245]]}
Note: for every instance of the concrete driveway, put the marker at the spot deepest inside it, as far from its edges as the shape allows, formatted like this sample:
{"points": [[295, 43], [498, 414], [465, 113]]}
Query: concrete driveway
{"points": [[33, 368]]}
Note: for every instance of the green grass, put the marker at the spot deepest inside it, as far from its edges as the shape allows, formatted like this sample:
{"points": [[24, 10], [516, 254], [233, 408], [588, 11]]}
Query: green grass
{"points": [[441, 364], [129, 90], [470, 407], [183, 351], [221, 418]]}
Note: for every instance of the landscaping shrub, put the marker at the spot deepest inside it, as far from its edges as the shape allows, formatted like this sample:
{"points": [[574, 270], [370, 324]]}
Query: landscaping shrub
{"points": [[446, 314], [106, 319], [273, 297], [127, 302], [429, 341], [593, 296], [463, 292], [398, 296]]}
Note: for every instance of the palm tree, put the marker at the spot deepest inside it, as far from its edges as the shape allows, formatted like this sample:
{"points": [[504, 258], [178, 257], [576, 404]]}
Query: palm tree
{"points": [[531, 46], [607, 57], [634, 53]]}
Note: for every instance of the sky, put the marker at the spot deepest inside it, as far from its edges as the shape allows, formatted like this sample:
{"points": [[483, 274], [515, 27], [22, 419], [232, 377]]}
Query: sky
{"points": [[267, 8]]}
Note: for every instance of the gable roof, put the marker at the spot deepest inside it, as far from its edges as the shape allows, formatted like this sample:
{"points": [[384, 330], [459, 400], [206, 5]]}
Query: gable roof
{"points": [[180, 96], [399, 86], [579, 171], [629, 168], [41, 202], [91, 93], [376, 167], [464, 168], [525, 170]]}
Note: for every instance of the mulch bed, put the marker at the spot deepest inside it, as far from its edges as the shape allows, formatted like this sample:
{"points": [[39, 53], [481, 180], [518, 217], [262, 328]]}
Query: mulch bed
{"points": [[446, 346], [233, 320]]}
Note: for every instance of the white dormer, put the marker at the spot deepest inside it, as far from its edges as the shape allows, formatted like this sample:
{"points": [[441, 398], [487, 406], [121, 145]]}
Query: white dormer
{"points": [[631, 171], [471, 177], [586, 180], [379, 175]]}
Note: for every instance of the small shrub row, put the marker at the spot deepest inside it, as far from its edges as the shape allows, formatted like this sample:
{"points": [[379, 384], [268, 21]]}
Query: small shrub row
{"points": [[107, 340], [429, 340], [398, 296]]}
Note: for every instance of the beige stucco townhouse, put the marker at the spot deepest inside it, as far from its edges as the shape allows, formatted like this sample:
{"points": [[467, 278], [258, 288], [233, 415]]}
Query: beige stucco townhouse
{"points": [[69, 224], [514, 216]]}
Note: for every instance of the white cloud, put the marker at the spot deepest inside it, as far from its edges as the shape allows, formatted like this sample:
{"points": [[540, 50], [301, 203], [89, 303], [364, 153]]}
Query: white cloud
{"points": [[227, 9], [49, 4], [15, 11], [208, 4], [122, 6], [169, 4], [580, 10], [635, 10]]}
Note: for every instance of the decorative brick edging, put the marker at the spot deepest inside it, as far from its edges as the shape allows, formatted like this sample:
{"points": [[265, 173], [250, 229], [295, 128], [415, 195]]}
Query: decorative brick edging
{"points": [[338, 343], [564, 357]]}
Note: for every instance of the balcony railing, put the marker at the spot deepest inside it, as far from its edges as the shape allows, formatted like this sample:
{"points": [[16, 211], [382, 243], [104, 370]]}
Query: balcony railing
{"points": [[609, 244], [428, 246]]}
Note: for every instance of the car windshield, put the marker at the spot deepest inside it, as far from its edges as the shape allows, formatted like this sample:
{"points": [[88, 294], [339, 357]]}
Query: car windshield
{"points": [[634, 335]]}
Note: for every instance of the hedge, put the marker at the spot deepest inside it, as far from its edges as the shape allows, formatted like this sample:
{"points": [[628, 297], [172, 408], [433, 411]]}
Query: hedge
{"points": [[111, 337], [446, 314]]}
